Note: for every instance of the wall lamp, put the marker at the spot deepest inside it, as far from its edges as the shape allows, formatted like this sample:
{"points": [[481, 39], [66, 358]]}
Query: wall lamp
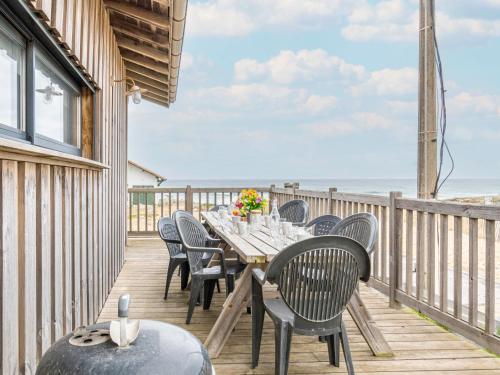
{"points": [[135, 91]]}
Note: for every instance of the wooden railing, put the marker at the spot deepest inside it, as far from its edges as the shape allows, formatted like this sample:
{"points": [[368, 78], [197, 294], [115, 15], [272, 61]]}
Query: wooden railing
{"points": [[147, 205], [434, 256]]}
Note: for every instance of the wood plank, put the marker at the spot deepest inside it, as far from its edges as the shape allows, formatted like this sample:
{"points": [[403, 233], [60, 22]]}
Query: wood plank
{"points": [[76, 264], [27, 267], [431, 260], [138, 13], [473, 271], [57, 254], [144, 50], [420, 255], [145, 62], [490, 321], [139, 34], [67, 258], [9, 267], [372, 334], [84, 299], [409, 252], [43, 258], [457, 267], [443, 263]]}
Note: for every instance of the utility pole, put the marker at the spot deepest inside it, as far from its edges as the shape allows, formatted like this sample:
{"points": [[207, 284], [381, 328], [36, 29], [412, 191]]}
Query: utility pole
{"points": [[427, 135]]}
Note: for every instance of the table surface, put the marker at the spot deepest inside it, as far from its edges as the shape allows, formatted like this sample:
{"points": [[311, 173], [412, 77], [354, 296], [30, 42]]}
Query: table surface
{"points": [[254, 247]]}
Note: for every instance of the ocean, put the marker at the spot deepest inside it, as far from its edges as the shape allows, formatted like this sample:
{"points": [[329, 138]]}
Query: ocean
{"points": [[453, 188]]}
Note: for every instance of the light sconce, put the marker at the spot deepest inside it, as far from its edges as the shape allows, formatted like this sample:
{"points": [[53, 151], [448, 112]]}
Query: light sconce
{"points": [[135, 91], [48, 93]]}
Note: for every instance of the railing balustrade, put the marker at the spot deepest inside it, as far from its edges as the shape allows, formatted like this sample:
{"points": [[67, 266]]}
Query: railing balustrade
{"points": [[434, 256]]}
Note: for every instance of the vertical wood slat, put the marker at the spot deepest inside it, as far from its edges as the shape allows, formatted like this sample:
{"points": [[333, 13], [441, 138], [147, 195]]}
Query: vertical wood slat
{"points": [[431, 260], [395, 256], [490, 322], [56, 255], [473, 271], [76, 264], [9, 241], [67, 250], [84, 249], [383, 244], [457, 267], [443, 263], [409, 252], [27, 267], [420, 255], [43, 258], [90, 247]]}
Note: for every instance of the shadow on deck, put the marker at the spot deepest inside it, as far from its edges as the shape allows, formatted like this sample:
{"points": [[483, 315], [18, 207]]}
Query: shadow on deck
{"points": [[420, 346]]}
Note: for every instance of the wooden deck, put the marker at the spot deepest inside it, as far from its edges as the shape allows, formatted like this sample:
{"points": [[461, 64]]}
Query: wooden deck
{"points": [[420, 346]]}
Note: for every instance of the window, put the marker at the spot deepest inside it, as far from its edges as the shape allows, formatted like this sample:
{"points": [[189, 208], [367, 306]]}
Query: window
{"points": [[41, 91], [57, 103], [12, 73]]}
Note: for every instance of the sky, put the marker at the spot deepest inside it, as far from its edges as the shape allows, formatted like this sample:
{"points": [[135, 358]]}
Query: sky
{"points": [[321, 89]]}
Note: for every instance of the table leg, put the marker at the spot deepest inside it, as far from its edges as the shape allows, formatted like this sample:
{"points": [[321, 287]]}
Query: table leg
{"points": [[231, 313], [373, 337]]}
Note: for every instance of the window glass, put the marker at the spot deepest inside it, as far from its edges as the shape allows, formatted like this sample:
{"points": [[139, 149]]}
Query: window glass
{"points": [[57, 102], [12, 54]]}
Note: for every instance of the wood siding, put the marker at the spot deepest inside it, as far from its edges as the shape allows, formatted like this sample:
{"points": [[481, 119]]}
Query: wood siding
{"points": [[62, 222]]}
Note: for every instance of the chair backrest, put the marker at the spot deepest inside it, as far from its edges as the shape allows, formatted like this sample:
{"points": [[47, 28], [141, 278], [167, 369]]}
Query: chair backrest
{"points": [[317, 277], [295, 211], [168, 233], [192, 234], [362, 227], [323, 224], [216, 207]]}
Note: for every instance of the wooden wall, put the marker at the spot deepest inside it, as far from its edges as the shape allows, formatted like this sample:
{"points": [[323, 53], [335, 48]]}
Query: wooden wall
{"points": [[62, 220]]}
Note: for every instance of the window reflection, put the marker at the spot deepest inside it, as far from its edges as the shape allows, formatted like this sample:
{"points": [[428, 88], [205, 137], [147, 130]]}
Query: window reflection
{"points": [[57, 114], [11, 77]]}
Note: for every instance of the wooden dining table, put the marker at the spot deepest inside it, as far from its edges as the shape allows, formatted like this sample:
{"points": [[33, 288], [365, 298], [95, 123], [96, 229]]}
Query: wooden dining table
{"points": [[257, 249]]}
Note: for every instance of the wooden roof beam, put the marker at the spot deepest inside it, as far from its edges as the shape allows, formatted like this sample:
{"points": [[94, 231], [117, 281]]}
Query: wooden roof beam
{"points": [[140, 34], [152, 90], [132, 67], [146, 63], [148, 81], [159, 102], [156, 97], [143, 50], [138, 13]]}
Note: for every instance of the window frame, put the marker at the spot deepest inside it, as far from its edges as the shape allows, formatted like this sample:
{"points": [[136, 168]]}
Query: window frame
{"points": [[22, 19]]}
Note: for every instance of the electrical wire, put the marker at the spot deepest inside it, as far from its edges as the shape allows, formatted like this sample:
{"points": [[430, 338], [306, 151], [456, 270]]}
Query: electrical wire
{"points": [[442, 117]]}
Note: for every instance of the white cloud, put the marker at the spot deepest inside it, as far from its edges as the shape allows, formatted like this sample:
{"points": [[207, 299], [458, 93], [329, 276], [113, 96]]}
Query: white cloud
{"points": [[242, 17], [356, 123], [389, 82], [219, 18], [304, 65], [317, 104], [465, 102], [397, 20]]}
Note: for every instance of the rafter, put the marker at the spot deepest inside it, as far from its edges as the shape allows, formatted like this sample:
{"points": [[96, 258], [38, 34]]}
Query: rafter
{"points": [[157, 97], [140, 34], [144, 62], [131, 67], [143, 50], [153, 90], [159, 102], [148, 81], [138, 13]]}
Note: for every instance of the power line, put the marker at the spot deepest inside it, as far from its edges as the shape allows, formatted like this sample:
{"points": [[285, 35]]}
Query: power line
{"points": [[442, 116]]}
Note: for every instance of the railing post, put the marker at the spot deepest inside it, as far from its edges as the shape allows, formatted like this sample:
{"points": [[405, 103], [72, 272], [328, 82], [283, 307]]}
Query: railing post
{"points": [[331, 209], [271, 193], [189, 199], [395, 228]]}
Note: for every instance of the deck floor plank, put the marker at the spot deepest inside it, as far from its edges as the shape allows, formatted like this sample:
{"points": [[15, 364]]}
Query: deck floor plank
{"points": [[420, 347]]}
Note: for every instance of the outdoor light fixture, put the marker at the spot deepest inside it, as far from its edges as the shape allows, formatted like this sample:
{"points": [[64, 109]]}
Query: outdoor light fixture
{"points": [[48, 93], [135, 91]]}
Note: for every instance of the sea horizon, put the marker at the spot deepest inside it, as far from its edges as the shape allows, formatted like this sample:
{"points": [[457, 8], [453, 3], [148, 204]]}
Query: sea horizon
{"points": [[453, 188]]}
